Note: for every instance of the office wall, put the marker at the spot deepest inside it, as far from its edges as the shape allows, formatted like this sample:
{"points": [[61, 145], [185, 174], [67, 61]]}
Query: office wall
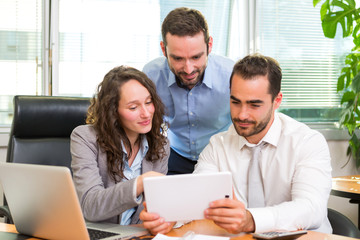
{"points": [[3, 143], [4, 136], [338, 159]]}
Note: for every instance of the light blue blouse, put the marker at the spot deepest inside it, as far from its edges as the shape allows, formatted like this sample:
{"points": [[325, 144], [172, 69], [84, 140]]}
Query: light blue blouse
{"points": [[133, 172]]}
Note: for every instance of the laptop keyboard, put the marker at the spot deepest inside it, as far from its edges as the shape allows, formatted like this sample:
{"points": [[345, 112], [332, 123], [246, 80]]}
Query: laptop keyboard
{"points": [[98, 234]]}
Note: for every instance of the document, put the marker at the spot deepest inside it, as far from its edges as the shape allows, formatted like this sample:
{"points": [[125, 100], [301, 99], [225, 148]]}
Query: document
{"points": [[190, 237]]}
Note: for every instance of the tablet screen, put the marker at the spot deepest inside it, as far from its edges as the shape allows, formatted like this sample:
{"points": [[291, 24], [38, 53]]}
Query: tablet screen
{"points": [[185, 197]]}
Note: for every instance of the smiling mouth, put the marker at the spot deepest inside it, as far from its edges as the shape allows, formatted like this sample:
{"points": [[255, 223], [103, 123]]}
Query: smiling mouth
{"points": [[189, 77], [243, 124], [144, 123]]}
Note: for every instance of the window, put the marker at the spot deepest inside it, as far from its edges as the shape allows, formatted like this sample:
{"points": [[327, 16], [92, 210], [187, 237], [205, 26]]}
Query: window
{"points": [[96, 36], [89, 37], [20, 52], [290, 31]]}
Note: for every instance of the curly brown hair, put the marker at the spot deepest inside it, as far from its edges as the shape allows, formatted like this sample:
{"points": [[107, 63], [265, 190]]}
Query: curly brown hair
{"points": [[103, 115]]}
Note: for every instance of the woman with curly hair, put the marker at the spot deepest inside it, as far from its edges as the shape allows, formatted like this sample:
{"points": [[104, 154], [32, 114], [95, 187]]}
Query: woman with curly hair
{"points": [[122, 143]]}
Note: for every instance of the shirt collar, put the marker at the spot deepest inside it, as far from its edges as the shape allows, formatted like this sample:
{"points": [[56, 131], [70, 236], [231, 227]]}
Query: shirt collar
{"points": [[171, 78], [207, 77], [273, 135], [144, 145]]}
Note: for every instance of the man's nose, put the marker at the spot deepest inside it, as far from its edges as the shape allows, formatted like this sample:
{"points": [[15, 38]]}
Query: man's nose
{"points": [[189, 67], [243, 113]]}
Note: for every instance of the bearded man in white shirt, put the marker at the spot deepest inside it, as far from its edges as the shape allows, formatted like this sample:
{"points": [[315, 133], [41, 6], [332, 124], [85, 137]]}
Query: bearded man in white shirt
{"points": [[294, 162]]}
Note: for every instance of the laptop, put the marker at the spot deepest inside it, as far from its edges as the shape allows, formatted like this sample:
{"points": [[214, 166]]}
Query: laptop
{"points": [[185, 197], [44, 204]]}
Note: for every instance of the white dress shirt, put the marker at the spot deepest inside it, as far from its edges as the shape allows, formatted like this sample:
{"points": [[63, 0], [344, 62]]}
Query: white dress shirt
{"points": [[295, 167]]}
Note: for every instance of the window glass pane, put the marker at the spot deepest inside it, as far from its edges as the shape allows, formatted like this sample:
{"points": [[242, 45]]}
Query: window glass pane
{"points": [[20, 52], [96, 36], [290, 31], [217, 14]]}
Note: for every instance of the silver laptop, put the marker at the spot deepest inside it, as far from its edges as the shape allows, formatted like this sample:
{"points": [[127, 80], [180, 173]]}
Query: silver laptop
{"points": [[43, 203], [185, 197]]}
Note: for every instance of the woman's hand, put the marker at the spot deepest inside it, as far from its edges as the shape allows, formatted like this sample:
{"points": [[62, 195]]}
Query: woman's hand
{"points": [[140, 179]]}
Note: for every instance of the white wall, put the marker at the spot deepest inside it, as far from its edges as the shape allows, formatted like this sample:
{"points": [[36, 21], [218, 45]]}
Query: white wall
{"points": [[338, 159], [338, 155], [3, 143]]}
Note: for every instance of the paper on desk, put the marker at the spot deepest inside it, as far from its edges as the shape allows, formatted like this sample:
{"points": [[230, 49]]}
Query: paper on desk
{"points": [[195, 237]]}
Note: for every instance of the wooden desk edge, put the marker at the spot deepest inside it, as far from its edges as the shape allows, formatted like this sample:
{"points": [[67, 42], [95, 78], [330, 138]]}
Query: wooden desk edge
{"points": [[208, 228], [340, 193]]}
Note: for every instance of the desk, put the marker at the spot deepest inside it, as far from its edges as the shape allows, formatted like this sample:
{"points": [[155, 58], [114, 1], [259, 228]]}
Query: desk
{"points": [[348, 187], [209, 228]]}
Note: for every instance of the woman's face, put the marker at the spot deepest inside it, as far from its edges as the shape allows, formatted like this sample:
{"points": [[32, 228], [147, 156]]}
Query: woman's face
{"points": [[136, 109]]}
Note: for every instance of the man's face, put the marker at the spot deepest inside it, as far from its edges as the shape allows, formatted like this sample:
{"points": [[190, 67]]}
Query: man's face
{"points": [[251, 106], [187, 57]]}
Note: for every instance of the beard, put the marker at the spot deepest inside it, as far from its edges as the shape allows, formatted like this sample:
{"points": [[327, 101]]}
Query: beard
{"points": [[188, 83], [184, 83], [255, 129]]}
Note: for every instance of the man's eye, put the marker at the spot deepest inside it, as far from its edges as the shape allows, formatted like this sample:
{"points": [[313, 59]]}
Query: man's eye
{"points": [[255, 105]]}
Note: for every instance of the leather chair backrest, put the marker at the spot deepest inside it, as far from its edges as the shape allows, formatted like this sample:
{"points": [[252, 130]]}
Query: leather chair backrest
{"points": [[342, 225], [41, 128]]}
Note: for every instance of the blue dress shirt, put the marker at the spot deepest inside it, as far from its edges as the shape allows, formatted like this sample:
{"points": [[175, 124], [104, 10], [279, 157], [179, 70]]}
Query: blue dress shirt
{"points": [[133, 172], [197, 114]]}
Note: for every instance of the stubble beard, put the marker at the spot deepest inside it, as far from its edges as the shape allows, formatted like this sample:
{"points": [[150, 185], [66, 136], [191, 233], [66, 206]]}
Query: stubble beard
{"points": [[251, 131]]}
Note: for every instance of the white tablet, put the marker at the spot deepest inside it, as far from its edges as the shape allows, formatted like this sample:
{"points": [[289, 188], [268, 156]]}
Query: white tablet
{"points": [[185, 197]]}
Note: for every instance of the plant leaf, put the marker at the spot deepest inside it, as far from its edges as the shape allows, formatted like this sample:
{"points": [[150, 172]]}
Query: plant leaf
{"points": [[345, 117], [344, 17], [347, 96], [354, 144], [355, 85], [324, 9], [315, 2], [340, 82]]}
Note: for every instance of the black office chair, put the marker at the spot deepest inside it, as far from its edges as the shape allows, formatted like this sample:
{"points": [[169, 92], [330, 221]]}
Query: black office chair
{"points": [[342, 225], [40, 132]]}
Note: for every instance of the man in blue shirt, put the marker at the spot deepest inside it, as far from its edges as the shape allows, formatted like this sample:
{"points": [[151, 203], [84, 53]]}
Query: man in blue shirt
{"points": [[193, 85]]}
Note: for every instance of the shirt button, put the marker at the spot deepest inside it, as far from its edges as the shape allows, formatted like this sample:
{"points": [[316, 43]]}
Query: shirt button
{"points": [[192, 142], [194, 157], [192, 125], [190, 94], [191, 113]]}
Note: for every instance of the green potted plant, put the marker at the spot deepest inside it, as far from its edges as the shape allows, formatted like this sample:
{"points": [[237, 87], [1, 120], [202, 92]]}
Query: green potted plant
{"points": [[344, 13]]}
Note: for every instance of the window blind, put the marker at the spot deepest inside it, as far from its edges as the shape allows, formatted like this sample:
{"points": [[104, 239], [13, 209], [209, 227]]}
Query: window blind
{"points": [[20, 52], [290, 32], [95, 36]]}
